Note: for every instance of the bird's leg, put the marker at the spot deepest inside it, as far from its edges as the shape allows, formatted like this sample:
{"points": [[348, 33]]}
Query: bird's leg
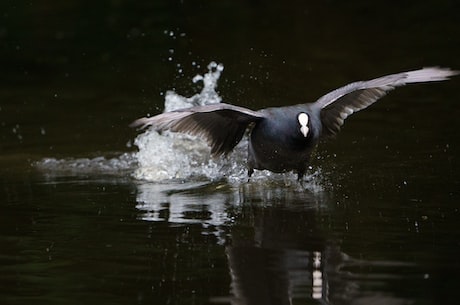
{"points": [[250, 172], [300, 174]]}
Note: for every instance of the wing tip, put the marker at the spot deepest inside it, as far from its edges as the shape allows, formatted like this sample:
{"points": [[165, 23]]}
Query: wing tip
{"points": [[431, 74], [140, 123]]}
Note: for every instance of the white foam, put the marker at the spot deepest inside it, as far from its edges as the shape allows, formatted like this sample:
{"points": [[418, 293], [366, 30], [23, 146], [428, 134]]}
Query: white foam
{"points": [[208, 94], [177, 156], [174, 157], [171, 155], [84, 166]]}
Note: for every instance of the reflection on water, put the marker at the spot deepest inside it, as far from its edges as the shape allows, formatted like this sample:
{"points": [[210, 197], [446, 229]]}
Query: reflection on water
{"points": [[278, 237], [82, 229], [185, 204], [275, 239]]}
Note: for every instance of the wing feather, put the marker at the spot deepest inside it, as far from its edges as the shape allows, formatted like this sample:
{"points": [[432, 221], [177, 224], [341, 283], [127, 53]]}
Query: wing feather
{"points": [[222, 125], [337, 105]]}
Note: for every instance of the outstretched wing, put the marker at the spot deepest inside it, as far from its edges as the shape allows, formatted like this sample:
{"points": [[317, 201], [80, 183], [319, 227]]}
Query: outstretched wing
{"points": [[337, 105], [222, 125]]}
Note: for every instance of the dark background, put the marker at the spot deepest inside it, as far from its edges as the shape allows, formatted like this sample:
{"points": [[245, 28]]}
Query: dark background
{"points": [[74, 74], [80, 69]]}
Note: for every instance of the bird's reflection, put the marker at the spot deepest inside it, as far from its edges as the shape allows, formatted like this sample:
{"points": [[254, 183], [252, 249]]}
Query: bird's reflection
{"points": [[278, 245], [283, 259]]}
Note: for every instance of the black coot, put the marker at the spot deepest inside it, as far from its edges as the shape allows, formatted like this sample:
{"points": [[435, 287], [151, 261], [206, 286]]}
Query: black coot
{"points": [[283, 138]]}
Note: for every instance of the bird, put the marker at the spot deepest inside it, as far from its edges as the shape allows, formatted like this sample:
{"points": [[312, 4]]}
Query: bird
{"points": [[282, 139]]}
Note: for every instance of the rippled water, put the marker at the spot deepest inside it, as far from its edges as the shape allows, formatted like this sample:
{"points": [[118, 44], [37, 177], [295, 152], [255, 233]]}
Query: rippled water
{"points": [[94, 212]]}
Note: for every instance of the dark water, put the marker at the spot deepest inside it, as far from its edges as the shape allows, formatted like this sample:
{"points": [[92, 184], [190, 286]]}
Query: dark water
{"points": [[377, 224]]}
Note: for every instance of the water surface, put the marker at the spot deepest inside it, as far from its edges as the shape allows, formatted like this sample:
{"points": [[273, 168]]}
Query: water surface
{"points": [[87, 216]]}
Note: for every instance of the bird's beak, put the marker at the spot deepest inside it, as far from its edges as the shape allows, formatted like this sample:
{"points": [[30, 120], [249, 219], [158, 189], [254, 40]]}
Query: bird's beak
{"points": [[304, 130]]}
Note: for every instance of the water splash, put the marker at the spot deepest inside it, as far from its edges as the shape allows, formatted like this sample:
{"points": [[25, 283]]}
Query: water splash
{"points": [[171, 155], [116, 166], [176, 157], [208, 94]]}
